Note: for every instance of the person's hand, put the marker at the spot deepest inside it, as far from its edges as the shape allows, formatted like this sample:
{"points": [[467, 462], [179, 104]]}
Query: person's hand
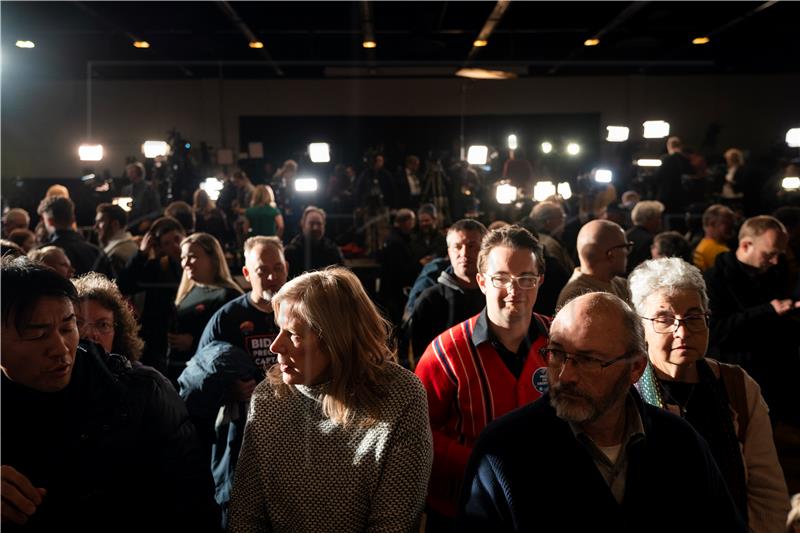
{"points": [[241, 390], [784, 306], [147, 245], [20, 498], [180, 341], [425, 260]]}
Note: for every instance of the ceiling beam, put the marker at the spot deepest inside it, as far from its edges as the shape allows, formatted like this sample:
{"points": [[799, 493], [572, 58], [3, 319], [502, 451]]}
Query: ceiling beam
{"points": [[489, 26], [738, 20], [237, 21]]}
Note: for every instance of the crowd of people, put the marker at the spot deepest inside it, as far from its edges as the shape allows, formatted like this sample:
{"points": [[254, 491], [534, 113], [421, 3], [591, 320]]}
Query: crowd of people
{"points": [[216, 365]]}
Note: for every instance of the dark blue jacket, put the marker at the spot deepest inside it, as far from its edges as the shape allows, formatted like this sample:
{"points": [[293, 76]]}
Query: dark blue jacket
{"points": [[528, 472]]}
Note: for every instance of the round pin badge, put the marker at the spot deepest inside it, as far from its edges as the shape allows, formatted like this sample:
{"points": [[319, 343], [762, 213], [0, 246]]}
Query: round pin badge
{"points": [[539, 380]]}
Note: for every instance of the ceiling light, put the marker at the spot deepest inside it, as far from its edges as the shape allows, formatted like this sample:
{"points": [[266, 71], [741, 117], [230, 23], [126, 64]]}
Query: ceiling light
{"points": [[564, 190], [793, 138], [791, 183], [591, 42], [655, 129], [256, 44], [152, 149], [305, 184], [25, 44], [480, 43], [547, 147], [506, 193], [701, 40], [477, 154], [485, 74], [617, 134], [648, 162], [543, 190], [91, 152], [512, 142], [369, 44], [141, 44], [573, 148], [603, 175], [319, 152]]}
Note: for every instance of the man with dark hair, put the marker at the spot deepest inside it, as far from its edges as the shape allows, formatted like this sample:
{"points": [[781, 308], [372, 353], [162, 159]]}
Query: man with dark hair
{"points": [[427, 242], [456, 296], [718, 226], [485, 366], [590, 454], [407, 184], [146, 204], [58, 217], [90, 443], [669, 180], [312, 250], [671, 244], [15, 218], [183, 213], [118, 244]]}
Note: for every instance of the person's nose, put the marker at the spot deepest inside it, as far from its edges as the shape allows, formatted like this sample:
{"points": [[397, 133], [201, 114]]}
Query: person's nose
{"points": [[275, 347], [57, 347], [568, 373]]}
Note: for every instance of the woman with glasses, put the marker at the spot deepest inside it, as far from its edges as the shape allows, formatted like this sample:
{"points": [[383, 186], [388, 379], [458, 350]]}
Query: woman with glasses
{"points": [[721, 401], [105, 318]]}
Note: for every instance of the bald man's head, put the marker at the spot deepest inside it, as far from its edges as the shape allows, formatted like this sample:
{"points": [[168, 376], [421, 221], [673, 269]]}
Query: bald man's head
{"points": [[596, 237]]}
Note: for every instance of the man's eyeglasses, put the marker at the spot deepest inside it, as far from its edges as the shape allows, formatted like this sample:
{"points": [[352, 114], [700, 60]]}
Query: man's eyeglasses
{"points": [[104, 327], [585, 364], [628, 247], [500, 281], [670, 324]]}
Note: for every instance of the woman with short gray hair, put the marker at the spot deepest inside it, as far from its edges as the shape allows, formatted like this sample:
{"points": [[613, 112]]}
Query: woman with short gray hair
{"points": [[722, 402]]}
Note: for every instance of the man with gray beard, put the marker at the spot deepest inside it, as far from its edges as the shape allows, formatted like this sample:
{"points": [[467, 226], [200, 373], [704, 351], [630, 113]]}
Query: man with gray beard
{"points": [[590, 454]]}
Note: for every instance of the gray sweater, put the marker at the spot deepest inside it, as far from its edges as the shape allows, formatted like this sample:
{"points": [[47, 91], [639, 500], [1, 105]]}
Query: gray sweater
{"points": [[298, 471]]}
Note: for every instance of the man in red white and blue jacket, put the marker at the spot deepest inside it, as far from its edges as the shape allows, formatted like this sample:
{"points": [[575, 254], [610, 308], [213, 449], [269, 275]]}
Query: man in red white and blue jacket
{"points": [[487, 365]]}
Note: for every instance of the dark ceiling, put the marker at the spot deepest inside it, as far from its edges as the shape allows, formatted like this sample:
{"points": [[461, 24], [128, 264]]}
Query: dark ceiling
{"points": [[414, 39]]}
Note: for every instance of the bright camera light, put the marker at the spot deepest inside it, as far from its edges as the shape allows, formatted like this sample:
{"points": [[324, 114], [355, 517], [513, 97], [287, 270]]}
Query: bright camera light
{"points": [[655, 129], [125, 202], [477, 154], [791, 183], [793, 138], [319, 152], [564, 190], [573, 148], [305, 184], [617, 134], [603, 175], [91, 152], [25, 44], [506, 193], [512, 142], [648, 162], [212, 186], [543, 190], [547, 147], [153, 149]]}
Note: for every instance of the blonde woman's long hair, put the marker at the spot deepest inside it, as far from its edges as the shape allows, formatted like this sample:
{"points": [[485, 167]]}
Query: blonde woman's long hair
{"points": [[263, 195], [222, 275], [335, 306]]}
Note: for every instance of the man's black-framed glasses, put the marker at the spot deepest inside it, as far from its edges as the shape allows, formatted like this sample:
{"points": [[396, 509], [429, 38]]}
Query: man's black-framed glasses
{"points": [[556, 359], [669, 324], [628, 247], [503, 281]]}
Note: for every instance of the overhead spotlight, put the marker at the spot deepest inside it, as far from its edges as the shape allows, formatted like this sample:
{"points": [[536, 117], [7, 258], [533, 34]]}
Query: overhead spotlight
{"points": [[512, 142], [506, 193], [617, 134], [564, 190], [547, 147], [90, 152], [141, 44], [369, 44], [655, 129], [791, 183], [591, 42], [305, 184], [152, 149], [212, 186], [319, 152], [603, 175], [648, 162], [477, 154], [573, 148], [701, 40], [125, 202], [480, 43], [256, 44], [485, 74], [793, 138], [543, 190], [25, 44]]}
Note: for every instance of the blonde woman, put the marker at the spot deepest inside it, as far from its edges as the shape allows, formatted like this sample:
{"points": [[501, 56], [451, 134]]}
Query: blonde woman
{"points": [[206, 285], [337, 438], [263, 217]]}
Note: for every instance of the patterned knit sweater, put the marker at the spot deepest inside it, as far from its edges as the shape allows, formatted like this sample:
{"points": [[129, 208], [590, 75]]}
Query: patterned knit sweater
{"points": [[298, 471]]}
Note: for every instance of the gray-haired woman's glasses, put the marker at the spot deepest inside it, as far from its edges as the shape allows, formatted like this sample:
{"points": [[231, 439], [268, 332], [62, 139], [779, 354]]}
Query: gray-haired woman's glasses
{"points": [[670, 324]]}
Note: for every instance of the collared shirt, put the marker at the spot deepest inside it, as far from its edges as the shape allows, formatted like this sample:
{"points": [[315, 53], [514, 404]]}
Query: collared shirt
{"points": [[614, 472], [513, 361]]}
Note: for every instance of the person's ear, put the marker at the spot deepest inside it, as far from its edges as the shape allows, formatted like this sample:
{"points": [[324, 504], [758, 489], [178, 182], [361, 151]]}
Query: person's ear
{"points": [[481, 282], [246, 273], [637, 367]]}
